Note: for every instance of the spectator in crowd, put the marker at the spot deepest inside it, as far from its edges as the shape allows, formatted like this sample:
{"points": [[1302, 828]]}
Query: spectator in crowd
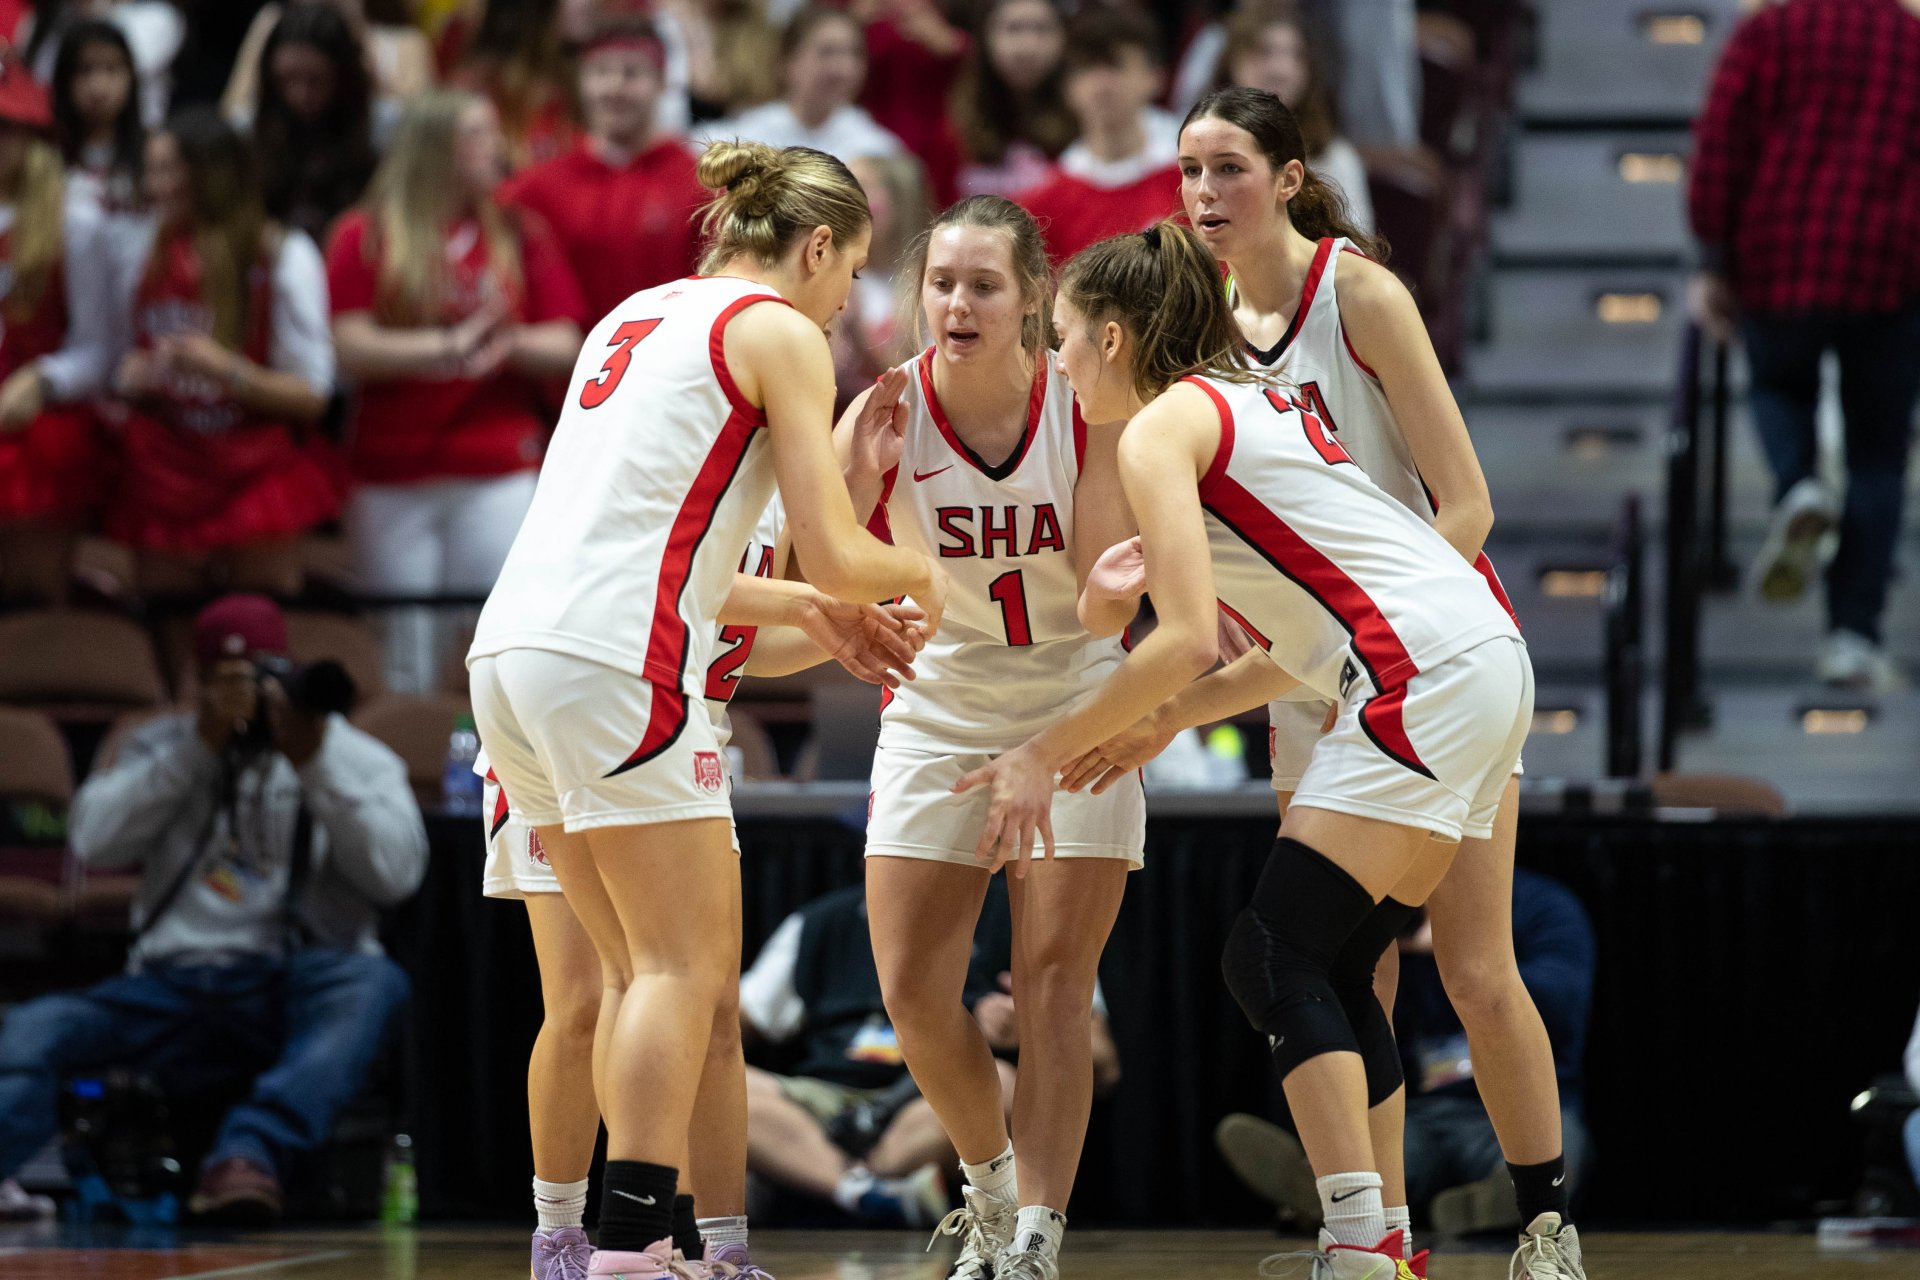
{"points": [[1267, 48], [98, 123], [1806, 201], [1009, 110], [58, 343], [520, 57], [823, 63], [731, 50], [870, 338], [399, 61], [623, 202], [1454, 1168], [268, 839], [313, 128], [448, 310], [229, 376], [847, 1124], [1121, 174], [154, 30], [914, 57]]}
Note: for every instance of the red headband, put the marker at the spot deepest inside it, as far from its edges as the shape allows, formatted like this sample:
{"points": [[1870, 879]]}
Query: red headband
{"points": [[655, 51]]}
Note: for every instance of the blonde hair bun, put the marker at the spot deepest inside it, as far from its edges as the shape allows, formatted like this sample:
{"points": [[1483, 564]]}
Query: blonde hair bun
{"points": [[749, 172], [768, 196]]}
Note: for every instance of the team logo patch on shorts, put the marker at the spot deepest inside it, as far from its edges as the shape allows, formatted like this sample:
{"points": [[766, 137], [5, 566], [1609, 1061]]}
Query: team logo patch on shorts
{"points": [[535, 850], [707, 771]]}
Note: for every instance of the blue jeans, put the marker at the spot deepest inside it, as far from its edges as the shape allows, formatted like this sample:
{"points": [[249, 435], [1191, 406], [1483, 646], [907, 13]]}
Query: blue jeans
{"points": [[1879, 382], [306, 1031], [1450, 1142]]}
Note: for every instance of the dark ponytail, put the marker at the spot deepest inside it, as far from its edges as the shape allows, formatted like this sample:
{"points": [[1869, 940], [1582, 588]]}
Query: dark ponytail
{"points": [[1163, 287], [1317, 210]]}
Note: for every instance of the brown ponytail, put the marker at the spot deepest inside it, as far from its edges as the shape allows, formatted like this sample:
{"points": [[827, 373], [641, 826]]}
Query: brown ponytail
{"points": [[1163, 287], [1317, 210]]}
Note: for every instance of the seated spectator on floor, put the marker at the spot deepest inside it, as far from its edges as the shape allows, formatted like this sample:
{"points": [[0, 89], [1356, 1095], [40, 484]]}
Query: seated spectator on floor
{"points": [[1009, 111], [230, 373], [399, 60], [1267, 48], [624, 202], [268, 838], [520, 57], [1120, 175], [1455, 1174], [848, 1124], [59, 298], [312, 119], [450, 311], [823, 64]]}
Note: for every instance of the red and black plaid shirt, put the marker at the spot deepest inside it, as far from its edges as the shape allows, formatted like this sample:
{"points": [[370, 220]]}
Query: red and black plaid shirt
{"points": [[1806, 163]]}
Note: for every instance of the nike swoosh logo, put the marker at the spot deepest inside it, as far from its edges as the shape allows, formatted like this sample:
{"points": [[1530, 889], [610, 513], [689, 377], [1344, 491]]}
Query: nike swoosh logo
{"points": [[1562, 1178], [636, 1199], [918, 476], [1350, 1195]]}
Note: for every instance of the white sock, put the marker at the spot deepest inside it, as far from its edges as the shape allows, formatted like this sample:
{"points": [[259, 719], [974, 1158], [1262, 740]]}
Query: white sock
{"points": [[1400, 1219], [715, 1232], [1351, 1204], [854, 1183], [1037, 1229], [559, 1204], [996, 1177]]}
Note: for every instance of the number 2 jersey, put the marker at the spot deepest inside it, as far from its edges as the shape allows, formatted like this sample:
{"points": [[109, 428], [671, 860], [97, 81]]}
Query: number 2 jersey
{"points": [[1011, 655], [657, 474], [1342, 585]]}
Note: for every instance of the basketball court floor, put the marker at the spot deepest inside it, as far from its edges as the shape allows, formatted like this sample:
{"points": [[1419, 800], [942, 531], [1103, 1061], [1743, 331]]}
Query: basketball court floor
{"points": [[494, 1254]]}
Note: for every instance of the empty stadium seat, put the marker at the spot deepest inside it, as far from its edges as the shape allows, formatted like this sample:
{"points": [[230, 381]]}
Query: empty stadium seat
{"points": [[417, 727], [36, 786], [77, 667]]}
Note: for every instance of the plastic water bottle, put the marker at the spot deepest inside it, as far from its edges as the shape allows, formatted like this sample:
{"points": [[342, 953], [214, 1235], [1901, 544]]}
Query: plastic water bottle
{"points": [[460, 786], [400, 1202]]}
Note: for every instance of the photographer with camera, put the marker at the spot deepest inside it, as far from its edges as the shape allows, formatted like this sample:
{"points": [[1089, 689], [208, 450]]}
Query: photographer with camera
{"points": [[269, 833]]}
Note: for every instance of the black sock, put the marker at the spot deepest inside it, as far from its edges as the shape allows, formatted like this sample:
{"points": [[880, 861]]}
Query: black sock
{"points": [[1541, 1188], [636, 1205], [686, 1232]]}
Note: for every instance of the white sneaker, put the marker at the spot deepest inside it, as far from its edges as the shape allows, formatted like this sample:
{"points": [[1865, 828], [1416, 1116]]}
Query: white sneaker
{"points": [[1797, 546], [17, 1204], [1849, 660], [985, 1226], [1026, 1264], [1548, 1251]]}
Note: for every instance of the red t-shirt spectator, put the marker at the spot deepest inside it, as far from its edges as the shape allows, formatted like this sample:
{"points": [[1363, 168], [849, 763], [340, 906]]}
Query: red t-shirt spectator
{"points": [[623, 228], [412, 429], [1087, 200], [907, 89], [1806, 165]]}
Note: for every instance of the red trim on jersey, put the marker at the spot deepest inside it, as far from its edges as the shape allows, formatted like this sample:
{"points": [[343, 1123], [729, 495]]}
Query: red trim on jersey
{"points": [[1484, 567], [500, 810], [1036, 401], [878, 523], [668, 638], [1353, 355], [1079, 437], [1223, 452], [1383, 719], [1253, 632], [717, 351], [1375, 642], [1307, 290]]}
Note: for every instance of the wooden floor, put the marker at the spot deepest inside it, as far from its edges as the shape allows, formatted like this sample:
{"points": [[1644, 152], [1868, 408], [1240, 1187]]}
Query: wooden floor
{"points": [[492, 1254]]}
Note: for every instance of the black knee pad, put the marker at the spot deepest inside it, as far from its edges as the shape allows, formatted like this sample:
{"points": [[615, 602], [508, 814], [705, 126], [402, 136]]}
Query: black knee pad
{"points": [[1352, 979], [1281, 950]]}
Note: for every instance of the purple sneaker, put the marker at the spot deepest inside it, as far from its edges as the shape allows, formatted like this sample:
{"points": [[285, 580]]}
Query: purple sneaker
{"points": [[561, 1254], [734, 1262]]}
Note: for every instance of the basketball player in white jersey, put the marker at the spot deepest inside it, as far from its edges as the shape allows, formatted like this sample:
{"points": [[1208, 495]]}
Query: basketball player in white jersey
{"points": [[1316, 308], [973, 453], [590, 659], [1247, 504], [563, 1115]]}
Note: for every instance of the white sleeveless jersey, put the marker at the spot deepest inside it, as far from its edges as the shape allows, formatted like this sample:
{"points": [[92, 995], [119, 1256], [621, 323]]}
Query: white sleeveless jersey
{"points": [[1337, 581], [1011, 654], [656, 476]]}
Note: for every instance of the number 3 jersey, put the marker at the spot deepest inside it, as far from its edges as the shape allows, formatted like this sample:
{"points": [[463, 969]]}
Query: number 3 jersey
{"points": [[1011, 655], [1342, 585], [652, 486]]}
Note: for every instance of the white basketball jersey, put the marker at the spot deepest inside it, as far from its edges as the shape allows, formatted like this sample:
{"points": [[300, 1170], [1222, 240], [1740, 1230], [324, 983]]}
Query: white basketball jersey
{"points": [[1011, 654], [1325, 571], [656, 476], [734, 644]]}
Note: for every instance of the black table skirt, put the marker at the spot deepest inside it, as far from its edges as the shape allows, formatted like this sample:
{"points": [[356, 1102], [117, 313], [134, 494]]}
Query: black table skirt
{"points": [[1753, 977]]}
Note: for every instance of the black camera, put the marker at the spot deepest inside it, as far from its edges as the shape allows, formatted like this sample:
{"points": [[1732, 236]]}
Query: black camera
{"points": [[317, 689]]}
